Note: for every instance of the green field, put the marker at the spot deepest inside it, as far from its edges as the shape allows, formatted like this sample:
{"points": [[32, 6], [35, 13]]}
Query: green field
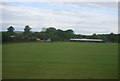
{"points": [[60, 60]]}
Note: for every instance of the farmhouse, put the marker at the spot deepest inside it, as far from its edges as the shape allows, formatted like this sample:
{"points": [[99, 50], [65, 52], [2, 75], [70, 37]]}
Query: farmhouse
{"points": [[48, 40], [39, 40], [86, 40]]}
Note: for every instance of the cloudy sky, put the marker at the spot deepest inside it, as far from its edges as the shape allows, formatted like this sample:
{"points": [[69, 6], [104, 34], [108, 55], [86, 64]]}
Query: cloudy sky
{"points": [[82, 17]]}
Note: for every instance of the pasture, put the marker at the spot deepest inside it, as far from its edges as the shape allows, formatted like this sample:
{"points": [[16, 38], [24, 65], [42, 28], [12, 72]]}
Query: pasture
{"points": [[60, 60]]}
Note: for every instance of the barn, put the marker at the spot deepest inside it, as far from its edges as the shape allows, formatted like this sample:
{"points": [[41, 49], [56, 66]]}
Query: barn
{"points": [[87, 40]]}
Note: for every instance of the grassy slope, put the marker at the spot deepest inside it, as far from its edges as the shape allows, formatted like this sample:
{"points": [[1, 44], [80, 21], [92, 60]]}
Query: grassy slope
{"points": [[60, 60]]}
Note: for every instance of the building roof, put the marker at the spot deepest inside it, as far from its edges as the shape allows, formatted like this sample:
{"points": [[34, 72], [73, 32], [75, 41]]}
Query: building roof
{"points": [[86, 39]]}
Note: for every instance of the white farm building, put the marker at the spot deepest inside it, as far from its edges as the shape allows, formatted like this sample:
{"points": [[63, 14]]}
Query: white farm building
{"points": [[86, 40]]}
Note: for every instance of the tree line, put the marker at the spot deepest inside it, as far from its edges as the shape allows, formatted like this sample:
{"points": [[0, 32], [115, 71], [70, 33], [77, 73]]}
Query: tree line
{"points": [[52, 33]]}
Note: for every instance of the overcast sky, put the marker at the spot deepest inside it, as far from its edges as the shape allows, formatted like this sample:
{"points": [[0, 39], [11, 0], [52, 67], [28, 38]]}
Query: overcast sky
{"points": [[82, 17]]}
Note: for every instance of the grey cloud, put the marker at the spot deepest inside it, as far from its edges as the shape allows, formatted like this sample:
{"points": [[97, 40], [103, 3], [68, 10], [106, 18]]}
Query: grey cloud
{"points": [[60, 0], [101, 5], [88, 22]]}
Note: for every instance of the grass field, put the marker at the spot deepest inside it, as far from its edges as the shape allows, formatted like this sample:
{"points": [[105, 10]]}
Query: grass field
{"points": [[60, 60]]}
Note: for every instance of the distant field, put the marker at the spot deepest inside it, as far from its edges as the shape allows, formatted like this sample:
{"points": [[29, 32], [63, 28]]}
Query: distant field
{"points": [[60, 60]]}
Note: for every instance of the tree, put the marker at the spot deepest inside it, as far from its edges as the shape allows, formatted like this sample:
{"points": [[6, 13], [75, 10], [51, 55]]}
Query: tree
{"points": [[10, 30], [50, 30], [94, 36], [60, 35], [50, 33], [5, 36], [113, 37], [27, 33], [40, 35], [68, 34], [9, 35], [27, 30], [78, 36]]}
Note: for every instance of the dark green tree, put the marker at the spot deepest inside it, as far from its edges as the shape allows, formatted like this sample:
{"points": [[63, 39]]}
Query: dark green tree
{"points": [[27, 30], [68, 34], [11, 30], [111, 37], [50, 30], [94, 36], [27, 33], [51, 33], [40, 35]]}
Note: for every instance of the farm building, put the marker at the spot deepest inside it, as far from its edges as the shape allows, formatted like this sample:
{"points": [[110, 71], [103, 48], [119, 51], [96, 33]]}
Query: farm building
{"points": [[86, 40], [39, 40]]}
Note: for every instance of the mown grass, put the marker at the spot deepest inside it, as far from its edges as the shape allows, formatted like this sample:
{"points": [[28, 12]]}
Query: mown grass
{"points": [[60, 60]]}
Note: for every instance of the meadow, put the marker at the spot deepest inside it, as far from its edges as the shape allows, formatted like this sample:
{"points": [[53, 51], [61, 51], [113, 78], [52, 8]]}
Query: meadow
{"points": [[60, 60]]}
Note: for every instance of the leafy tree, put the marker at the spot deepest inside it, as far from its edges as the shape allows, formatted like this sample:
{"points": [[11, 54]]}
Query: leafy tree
{"points": [[10, 30], [53, 34], [94, 36], [78, 36], [60, 35], [40, 35], [5, 36], [27, 30], [111, 37], [9, 36], [27, 33], [69, 34], [50, 30]]}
